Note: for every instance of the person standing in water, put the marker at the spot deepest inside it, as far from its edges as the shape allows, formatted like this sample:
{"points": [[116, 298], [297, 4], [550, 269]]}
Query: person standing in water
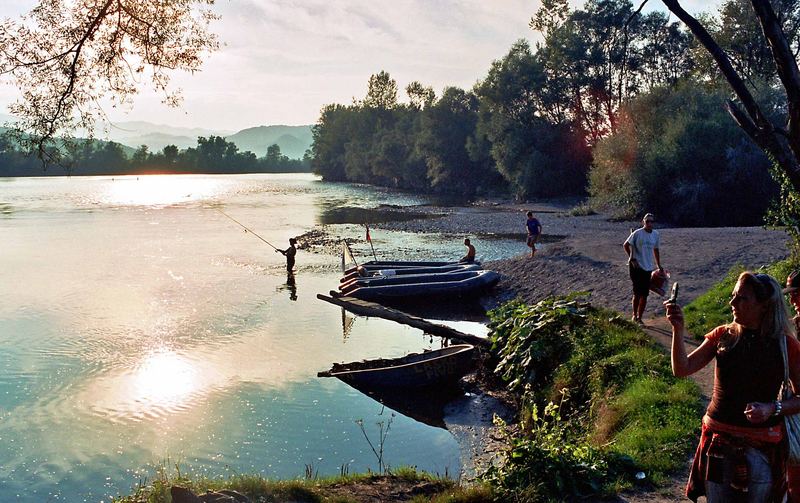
{"points": [[289, 253]]}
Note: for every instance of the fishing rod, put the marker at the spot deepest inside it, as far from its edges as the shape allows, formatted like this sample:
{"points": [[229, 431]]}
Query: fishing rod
{"points": [[246, 229]]}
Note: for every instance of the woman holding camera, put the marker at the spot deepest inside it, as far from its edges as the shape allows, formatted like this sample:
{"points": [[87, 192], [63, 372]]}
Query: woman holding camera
{"points": [[742, 453]]}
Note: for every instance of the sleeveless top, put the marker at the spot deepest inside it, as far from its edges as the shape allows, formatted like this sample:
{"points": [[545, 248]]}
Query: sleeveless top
{"points": [[751, 371]]}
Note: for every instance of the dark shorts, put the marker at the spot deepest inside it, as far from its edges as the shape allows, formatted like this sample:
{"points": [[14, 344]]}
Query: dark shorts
{"points": [[641, 281], [532, 240]]}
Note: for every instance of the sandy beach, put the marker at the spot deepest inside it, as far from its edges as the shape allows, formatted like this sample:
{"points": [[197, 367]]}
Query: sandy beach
{"points": [[585, 252]]}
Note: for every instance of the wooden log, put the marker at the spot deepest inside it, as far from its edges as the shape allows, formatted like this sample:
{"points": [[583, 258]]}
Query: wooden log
{"points": [[366, 308]]}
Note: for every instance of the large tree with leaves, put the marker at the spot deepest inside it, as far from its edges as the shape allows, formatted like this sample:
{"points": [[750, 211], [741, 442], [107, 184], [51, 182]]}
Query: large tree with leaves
{"points": [[66, 57], [780, 141]]}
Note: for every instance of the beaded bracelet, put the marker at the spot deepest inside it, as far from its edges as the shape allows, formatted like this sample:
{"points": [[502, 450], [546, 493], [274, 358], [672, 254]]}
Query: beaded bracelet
{"points": [[778, 408]]}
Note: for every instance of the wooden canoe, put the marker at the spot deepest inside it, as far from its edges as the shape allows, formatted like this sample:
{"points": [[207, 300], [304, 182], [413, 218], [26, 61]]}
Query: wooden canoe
{"points": [[440, 367]]}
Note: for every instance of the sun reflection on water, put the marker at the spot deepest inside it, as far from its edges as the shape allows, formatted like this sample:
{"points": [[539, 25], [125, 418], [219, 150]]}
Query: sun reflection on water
{"points": [[164, 378], [159, 190]]}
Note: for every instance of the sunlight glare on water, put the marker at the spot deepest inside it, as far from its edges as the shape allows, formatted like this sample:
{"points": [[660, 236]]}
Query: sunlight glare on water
{"points": [[159, 190], [138, 323]]}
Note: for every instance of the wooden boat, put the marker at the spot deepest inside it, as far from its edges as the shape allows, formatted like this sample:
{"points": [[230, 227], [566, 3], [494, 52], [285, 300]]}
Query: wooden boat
{"points": [[402, 271], [462, 284], [417, 370], [410, 276], [374, 265]]}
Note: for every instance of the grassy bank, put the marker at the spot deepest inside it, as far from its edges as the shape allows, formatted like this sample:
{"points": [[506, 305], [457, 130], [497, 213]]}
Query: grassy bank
{"points": [[340, 489], [713, 309], [601, 410]]}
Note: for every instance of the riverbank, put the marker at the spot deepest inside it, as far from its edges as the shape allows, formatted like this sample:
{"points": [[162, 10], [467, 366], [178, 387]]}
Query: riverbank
{"points": [[585, 252]]}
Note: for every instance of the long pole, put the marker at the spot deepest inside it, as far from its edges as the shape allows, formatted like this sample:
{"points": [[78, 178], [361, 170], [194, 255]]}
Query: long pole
{"points": [[369, 238], [246, 229]]}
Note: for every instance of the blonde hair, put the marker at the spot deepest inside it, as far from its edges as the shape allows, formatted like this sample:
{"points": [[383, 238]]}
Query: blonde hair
{"points": [[776, 322]]}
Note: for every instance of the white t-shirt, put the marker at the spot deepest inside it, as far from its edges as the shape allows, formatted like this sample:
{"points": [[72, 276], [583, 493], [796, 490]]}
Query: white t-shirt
{"points": [[642, 245]]}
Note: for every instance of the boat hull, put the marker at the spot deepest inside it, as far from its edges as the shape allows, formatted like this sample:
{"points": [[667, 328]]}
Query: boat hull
{"points": [[471, 286], [432, 368]]}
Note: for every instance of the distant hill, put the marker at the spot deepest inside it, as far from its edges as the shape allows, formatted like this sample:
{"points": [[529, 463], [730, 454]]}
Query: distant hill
{"points": [[157, 141], [293, 140]]}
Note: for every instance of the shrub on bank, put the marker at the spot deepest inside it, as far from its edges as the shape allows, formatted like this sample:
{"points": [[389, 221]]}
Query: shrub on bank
{"points": [[599, 402]]}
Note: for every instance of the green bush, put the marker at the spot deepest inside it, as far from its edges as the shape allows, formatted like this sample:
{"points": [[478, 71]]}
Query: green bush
{"points": [[678, 154], [619, 409]]}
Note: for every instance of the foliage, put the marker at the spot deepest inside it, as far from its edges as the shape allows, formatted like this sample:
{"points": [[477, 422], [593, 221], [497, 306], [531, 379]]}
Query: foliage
{"points": [[676, 144], [212, 155], [539, 158], [713, 309], [785, 210], [550, 463], [619, 409], [67, 56]]}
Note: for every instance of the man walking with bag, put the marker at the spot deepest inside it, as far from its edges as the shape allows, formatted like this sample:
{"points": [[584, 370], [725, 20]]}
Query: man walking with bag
{"points": [[643, 258]]}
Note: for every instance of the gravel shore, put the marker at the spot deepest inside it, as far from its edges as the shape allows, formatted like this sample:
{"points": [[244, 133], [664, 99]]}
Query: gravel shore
{"points": [[584, 253]]}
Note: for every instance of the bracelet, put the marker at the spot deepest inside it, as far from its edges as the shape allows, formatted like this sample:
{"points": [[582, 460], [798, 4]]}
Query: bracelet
{"points": [[778, 408]]}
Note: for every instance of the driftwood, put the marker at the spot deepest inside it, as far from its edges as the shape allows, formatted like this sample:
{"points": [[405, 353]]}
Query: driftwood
{"points": [[366, 308]]}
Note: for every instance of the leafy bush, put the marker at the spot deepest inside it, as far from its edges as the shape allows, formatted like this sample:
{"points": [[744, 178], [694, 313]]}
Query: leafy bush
{"points": [[619, 409], [677, 153]]}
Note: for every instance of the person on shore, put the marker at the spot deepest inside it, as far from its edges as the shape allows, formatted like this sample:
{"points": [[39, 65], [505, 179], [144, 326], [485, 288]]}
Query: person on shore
{"points": [[469, 258], [742, 454], [534, 231], [793, 290], [643, 258], [289, 253]]}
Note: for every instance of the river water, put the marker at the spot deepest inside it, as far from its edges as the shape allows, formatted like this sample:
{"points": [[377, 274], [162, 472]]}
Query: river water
{"points": [[140, 327]]}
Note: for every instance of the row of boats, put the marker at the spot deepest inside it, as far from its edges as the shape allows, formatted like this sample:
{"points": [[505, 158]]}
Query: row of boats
{"points": [[388, 281], [394, 281]]}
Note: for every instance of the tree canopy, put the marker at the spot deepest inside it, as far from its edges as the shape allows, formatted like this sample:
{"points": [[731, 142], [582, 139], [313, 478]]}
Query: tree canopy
{"points": [[66, 57]]}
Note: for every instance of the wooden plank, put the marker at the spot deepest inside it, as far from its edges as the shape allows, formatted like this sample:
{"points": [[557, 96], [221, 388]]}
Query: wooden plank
{"points": [[366, 308]]}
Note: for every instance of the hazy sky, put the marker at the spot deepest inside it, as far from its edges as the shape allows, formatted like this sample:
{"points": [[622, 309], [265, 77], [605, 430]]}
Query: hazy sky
{"points": [[283, 60]]}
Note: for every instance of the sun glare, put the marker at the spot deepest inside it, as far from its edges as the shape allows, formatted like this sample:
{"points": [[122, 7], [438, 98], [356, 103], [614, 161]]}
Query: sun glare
{"points": [[164, 378], [159, 190]]}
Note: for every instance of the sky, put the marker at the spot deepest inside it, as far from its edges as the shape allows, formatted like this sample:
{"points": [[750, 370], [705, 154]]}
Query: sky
{"points": [[283, 60]]}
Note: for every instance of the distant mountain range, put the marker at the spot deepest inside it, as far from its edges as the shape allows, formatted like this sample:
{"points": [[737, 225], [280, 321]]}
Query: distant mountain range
{"points": [[293, 140]]}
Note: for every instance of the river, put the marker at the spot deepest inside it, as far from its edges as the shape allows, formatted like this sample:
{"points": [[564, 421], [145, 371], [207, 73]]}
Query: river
{"points": [[141, 328]]}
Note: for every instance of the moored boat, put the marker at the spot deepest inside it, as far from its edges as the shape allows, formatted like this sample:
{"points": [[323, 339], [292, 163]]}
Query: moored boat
{"points": [[417, 370], [404, 271], [452, 285], [446, 274]]}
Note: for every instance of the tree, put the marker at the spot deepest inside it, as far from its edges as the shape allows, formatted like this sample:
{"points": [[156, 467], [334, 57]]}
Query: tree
{"points": [[67, 56], [382, 92], [781, 142], [419, 95]]}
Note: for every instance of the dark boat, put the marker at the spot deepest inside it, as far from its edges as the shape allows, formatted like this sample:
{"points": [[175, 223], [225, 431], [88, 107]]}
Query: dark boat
{"points": [[441, 367], [457, 285], [374, 265], [445, 274], [403, 271]]}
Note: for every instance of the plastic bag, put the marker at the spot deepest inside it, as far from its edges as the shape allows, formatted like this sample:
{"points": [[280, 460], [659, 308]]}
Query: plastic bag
{"points": [[659, 281]]}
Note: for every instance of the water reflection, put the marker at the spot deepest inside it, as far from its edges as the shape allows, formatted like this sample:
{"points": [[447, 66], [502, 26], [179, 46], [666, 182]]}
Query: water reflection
{"points": [[162, 381], [159, 190]]}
